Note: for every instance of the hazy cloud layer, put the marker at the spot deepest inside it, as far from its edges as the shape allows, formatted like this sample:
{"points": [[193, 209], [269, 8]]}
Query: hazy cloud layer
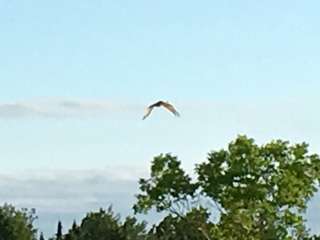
{"points": [[69, 194], [45, 190], [62, 108]]}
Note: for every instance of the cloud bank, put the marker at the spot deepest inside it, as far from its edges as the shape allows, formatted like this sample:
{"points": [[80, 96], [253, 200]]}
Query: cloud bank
{"points": [[70, 194]]}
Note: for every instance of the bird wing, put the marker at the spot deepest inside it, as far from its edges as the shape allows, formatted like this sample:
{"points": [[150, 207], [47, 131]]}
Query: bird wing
{"points": [[170, 108], [147, 112]]}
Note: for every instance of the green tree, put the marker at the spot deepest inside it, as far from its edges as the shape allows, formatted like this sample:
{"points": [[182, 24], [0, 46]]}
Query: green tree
{"points": [[131, 229], [168, 188], [16, 224], [73, 233], [105, 225], [102, 225], [194, 225], [261, 192]]}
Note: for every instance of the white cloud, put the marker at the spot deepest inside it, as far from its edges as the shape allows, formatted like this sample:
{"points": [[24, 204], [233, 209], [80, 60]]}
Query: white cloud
{"points": [[62, 108], [19, 110]]}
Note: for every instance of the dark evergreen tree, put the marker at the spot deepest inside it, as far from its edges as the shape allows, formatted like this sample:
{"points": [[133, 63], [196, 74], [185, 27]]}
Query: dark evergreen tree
{"points": [[74, 225], [59, 231], [41, 236], [73, 233]]}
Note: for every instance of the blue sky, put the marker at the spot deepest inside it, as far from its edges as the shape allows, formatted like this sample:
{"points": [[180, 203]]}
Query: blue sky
{"points": [[76, 76]]}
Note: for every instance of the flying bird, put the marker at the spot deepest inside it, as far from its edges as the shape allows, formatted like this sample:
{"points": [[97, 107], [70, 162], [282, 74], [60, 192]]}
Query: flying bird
{"points": [[166, 105]]}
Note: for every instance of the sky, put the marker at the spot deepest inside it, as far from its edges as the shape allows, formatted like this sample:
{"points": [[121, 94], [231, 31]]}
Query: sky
{"points": [[75, 78]]}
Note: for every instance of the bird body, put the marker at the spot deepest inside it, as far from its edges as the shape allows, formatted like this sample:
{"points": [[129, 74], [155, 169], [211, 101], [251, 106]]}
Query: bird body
{"points": [[166, 105]]}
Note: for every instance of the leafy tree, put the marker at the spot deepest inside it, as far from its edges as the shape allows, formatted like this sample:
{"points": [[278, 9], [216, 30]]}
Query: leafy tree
{"points": [[102, 225], [261, 192], [16, 224], [168, 188], [132, 230], [194, 225], [105, 225]]}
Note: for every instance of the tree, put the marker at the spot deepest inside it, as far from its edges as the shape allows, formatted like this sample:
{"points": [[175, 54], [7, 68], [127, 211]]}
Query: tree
{"points": [[16, 224], [105, 225], [194, 225], [59, 231], [41, 236], [132, 230], [102, 225], [261, 192], [73, 233], [168, 188]]}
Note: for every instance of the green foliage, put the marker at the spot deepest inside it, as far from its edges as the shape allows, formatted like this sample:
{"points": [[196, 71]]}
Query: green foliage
{"points": [[132, 230], [102, 225], [73, 233], [260, 191], [194, 225], [314, 237], [16, 224], [168, 188], [105, 225], [263, 190]]}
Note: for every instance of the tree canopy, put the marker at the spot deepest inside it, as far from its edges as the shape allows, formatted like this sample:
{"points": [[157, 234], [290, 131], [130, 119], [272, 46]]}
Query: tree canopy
{"points": [[16, 224], [105, 225], [261, 192]]}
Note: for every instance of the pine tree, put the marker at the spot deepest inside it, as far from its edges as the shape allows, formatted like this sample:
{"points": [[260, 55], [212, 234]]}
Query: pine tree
{"points": [[41, 236], [73, 233], [74, 225], [59, 231]]}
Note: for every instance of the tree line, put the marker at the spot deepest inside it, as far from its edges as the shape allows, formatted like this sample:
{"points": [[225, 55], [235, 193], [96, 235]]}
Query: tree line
{"points": [[245, 191]]}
